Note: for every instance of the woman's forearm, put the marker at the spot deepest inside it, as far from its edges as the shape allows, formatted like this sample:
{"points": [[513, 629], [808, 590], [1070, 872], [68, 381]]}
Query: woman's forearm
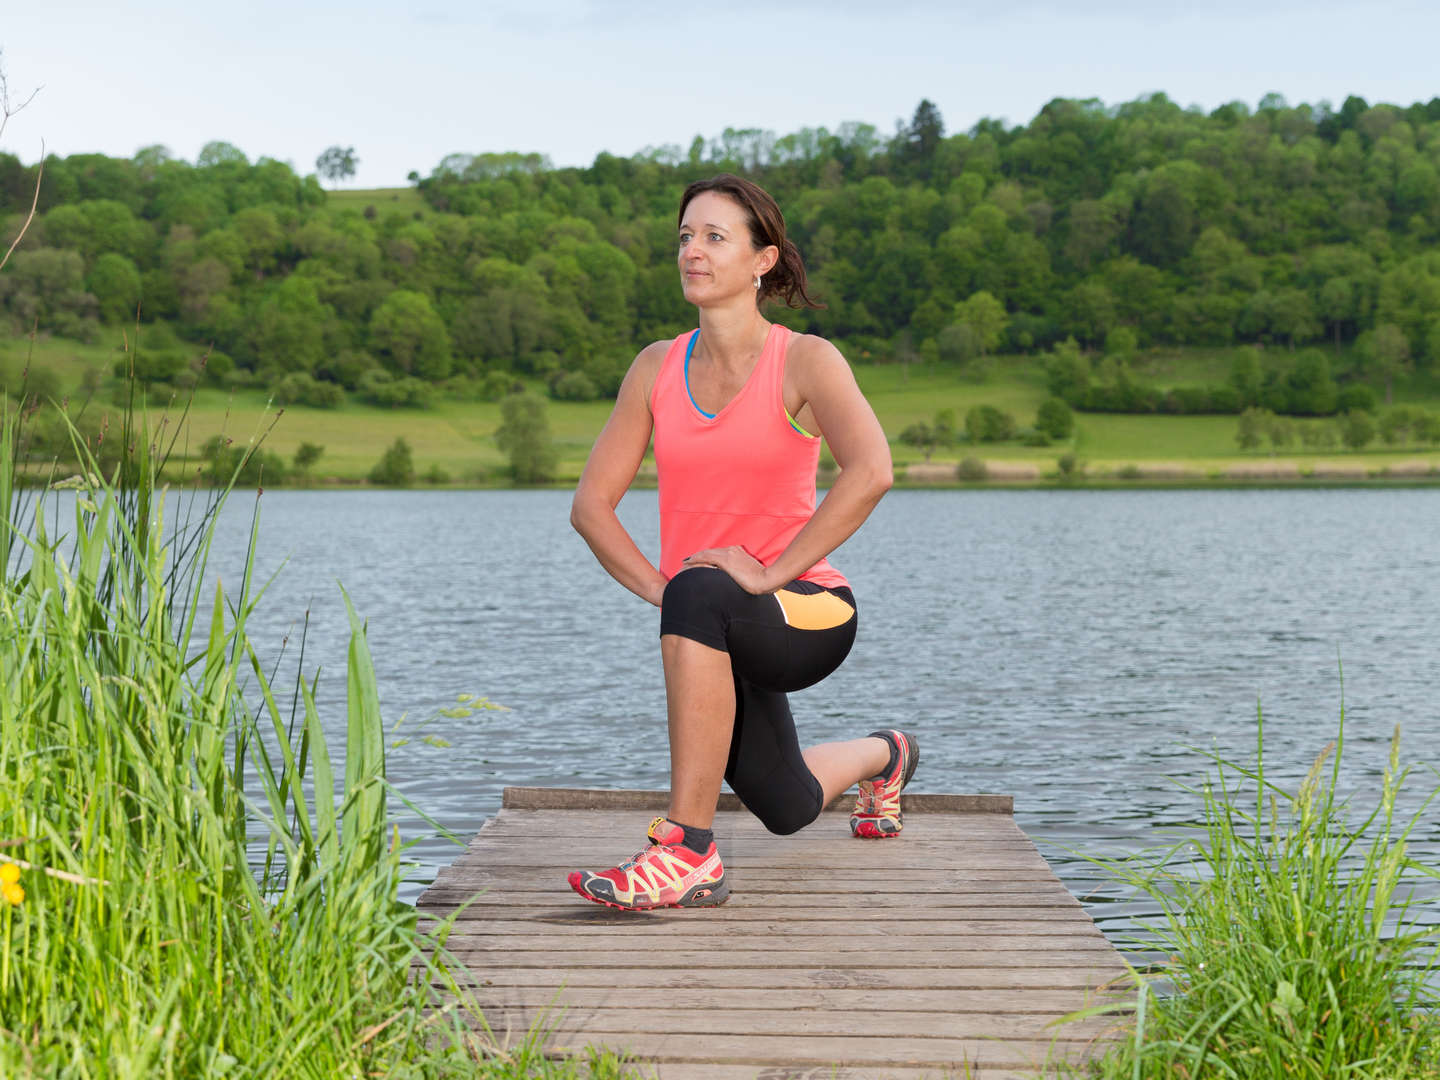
{"points": [[615, 549], [844, 509]]}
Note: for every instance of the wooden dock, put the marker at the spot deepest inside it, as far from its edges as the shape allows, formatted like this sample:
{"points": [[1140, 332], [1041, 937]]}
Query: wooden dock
{"points": [[948, 952]]}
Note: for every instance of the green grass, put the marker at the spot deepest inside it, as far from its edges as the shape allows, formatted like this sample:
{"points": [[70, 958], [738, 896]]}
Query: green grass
{"points": [[407, 201], [185, 892], [458, 436], [1294, 949]]}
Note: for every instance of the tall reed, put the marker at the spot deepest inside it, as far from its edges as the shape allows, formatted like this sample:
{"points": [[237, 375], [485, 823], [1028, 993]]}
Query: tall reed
{"points": [[1296, 946], [182, 893]]}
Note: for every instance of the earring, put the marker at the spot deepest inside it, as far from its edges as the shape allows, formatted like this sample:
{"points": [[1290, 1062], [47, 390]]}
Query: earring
{"points": [[757, 281]]}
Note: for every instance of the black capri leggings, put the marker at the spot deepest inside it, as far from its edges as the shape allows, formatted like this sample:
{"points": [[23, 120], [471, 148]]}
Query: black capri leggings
{"points": [[777, 643]]}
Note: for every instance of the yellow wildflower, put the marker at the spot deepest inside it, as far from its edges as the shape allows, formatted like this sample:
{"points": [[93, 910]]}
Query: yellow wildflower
{"points": [[9, 873], [13, 892]]}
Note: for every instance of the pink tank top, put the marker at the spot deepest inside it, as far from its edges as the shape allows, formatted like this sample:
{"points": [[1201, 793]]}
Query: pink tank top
{"points": [[744, 476]]}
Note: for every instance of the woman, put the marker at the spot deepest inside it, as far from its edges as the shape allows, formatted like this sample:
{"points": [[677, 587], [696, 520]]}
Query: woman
{"points": [[749, 607]]}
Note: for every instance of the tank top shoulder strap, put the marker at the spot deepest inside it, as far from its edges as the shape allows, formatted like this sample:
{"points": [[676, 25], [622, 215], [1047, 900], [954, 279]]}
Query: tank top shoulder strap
{"points": [[773, 362], [672, 368]]}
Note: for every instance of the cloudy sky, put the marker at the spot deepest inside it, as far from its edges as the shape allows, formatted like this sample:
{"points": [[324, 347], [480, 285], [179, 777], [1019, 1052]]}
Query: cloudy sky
{"points": [[406, 84]]}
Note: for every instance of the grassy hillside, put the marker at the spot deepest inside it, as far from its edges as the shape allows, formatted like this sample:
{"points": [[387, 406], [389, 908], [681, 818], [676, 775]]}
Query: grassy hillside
{"points": [[384, 200], [457, 437]]}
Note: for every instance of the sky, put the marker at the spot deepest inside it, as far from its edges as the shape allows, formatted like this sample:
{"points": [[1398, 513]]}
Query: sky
{"points": [[407, 84]]}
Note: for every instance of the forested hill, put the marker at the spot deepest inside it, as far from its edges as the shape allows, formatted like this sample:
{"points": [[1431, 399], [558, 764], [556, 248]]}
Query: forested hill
{"points": [[1279, 225]]}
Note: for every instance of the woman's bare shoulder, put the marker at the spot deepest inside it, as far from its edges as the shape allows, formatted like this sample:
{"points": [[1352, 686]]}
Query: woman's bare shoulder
{"points": [[653, 355], [814, 356], [645, 368]]}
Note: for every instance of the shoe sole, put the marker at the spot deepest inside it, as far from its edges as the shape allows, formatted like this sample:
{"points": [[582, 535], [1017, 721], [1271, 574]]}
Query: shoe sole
{"points": [[877, 835], [701, 896]]}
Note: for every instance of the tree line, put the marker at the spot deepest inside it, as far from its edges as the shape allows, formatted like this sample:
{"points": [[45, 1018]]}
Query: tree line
{"points": [[1114, 228]]}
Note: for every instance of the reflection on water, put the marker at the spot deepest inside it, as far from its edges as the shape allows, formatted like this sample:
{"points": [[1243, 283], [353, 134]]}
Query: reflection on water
{"points": [[1067, 647]]}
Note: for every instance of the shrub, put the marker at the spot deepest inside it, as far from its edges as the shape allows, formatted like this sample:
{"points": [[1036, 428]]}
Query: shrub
{"points": [[986, 423], [1281, 431], [1225, 400], [38, 385], [1396, 424], [250, 466], [1357, 430], [1070, 466], [927, 438], [1188, 400], [1121, 342], [524, 436], [216, 366], [607, 373], [383, 389], [573, 386], [496, 384], [150, 365], [1067, 373], [1426, 428], [1252, 427], [1055, 418], [298, 388], [306, 455], [958, 343], [348, 367], [1357, 397], [396, 467], [973, 469], [436, 475]]}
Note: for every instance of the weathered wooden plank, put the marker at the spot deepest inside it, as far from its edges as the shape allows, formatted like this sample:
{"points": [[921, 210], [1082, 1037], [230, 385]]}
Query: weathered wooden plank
{"points": [[949, 948], [934, 1023], [683, 1070], [778, 880], [892, 908], [736, 826], [618, 928], [905, 846], [698, 960], [812, 870], [536, 798], [808, 980], [886, 1051], [756, 903], [1049, 1003]]}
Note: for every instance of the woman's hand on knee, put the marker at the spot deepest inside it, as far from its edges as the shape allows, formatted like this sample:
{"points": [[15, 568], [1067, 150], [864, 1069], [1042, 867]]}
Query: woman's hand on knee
{"points": [[746, 570]]}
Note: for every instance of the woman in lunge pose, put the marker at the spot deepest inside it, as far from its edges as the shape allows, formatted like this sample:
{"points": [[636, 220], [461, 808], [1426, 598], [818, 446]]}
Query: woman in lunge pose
{"points": [[749, 607]]}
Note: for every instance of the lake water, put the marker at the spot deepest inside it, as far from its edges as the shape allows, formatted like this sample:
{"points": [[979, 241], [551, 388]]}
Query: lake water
{"points": [[1069, 648]]}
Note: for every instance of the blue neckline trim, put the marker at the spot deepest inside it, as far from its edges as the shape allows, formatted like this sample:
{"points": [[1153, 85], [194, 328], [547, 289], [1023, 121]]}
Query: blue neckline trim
{"points": [[688, 350]]}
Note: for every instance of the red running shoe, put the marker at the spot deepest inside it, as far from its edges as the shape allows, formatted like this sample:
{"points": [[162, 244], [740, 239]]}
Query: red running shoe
{"points": [[666, 874], [877, 808]]}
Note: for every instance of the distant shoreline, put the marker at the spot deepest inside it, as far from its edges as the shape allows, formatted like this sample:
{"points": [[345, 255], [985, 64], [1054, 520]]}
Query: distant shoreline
{"points": [[950, 480]]}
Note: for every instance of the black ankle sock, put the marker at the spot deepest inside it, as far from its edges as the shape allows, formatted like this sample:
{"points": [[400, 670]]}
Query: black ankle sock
{"points": [[894, 753], [697, 840]]}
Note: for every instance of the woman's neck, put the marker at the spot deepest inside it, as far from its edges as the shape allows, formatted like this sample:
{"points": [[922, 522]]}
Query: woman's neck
{"points": [[732, 338]]}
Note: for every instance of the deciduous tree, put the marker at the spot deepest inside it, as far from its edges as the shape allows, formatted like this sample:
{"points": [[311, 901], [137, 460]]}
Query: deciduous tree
{"points": [[524, 437], [337, 163]]}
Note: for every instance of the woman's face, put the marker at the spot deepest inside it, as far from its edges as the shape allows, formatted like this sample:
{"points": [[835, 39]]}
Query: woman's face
{"points": [[717, 258]]}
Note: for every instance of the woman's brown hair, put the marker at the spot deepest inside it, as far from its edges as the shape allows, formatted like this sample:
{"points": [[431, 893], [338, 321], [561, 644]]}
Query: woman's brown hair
{"points": [[786, 279]]}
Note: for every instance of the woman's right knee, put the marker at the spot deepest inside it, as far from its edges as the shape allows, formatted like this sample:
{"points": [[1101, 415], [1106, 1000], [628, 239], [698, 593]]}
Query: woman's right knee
{"points": [[696, 604]]}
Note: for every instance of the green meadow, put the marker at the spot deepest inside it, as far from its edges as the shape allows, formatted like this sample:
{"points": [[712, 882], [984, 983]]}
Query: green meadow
{"points": [[456, 437]]}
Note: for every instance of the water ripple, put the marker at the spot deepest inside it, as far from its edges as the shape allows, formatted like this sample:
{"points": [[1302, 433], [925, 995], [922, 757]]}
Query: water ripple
{"points": [[1069, 648]]}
